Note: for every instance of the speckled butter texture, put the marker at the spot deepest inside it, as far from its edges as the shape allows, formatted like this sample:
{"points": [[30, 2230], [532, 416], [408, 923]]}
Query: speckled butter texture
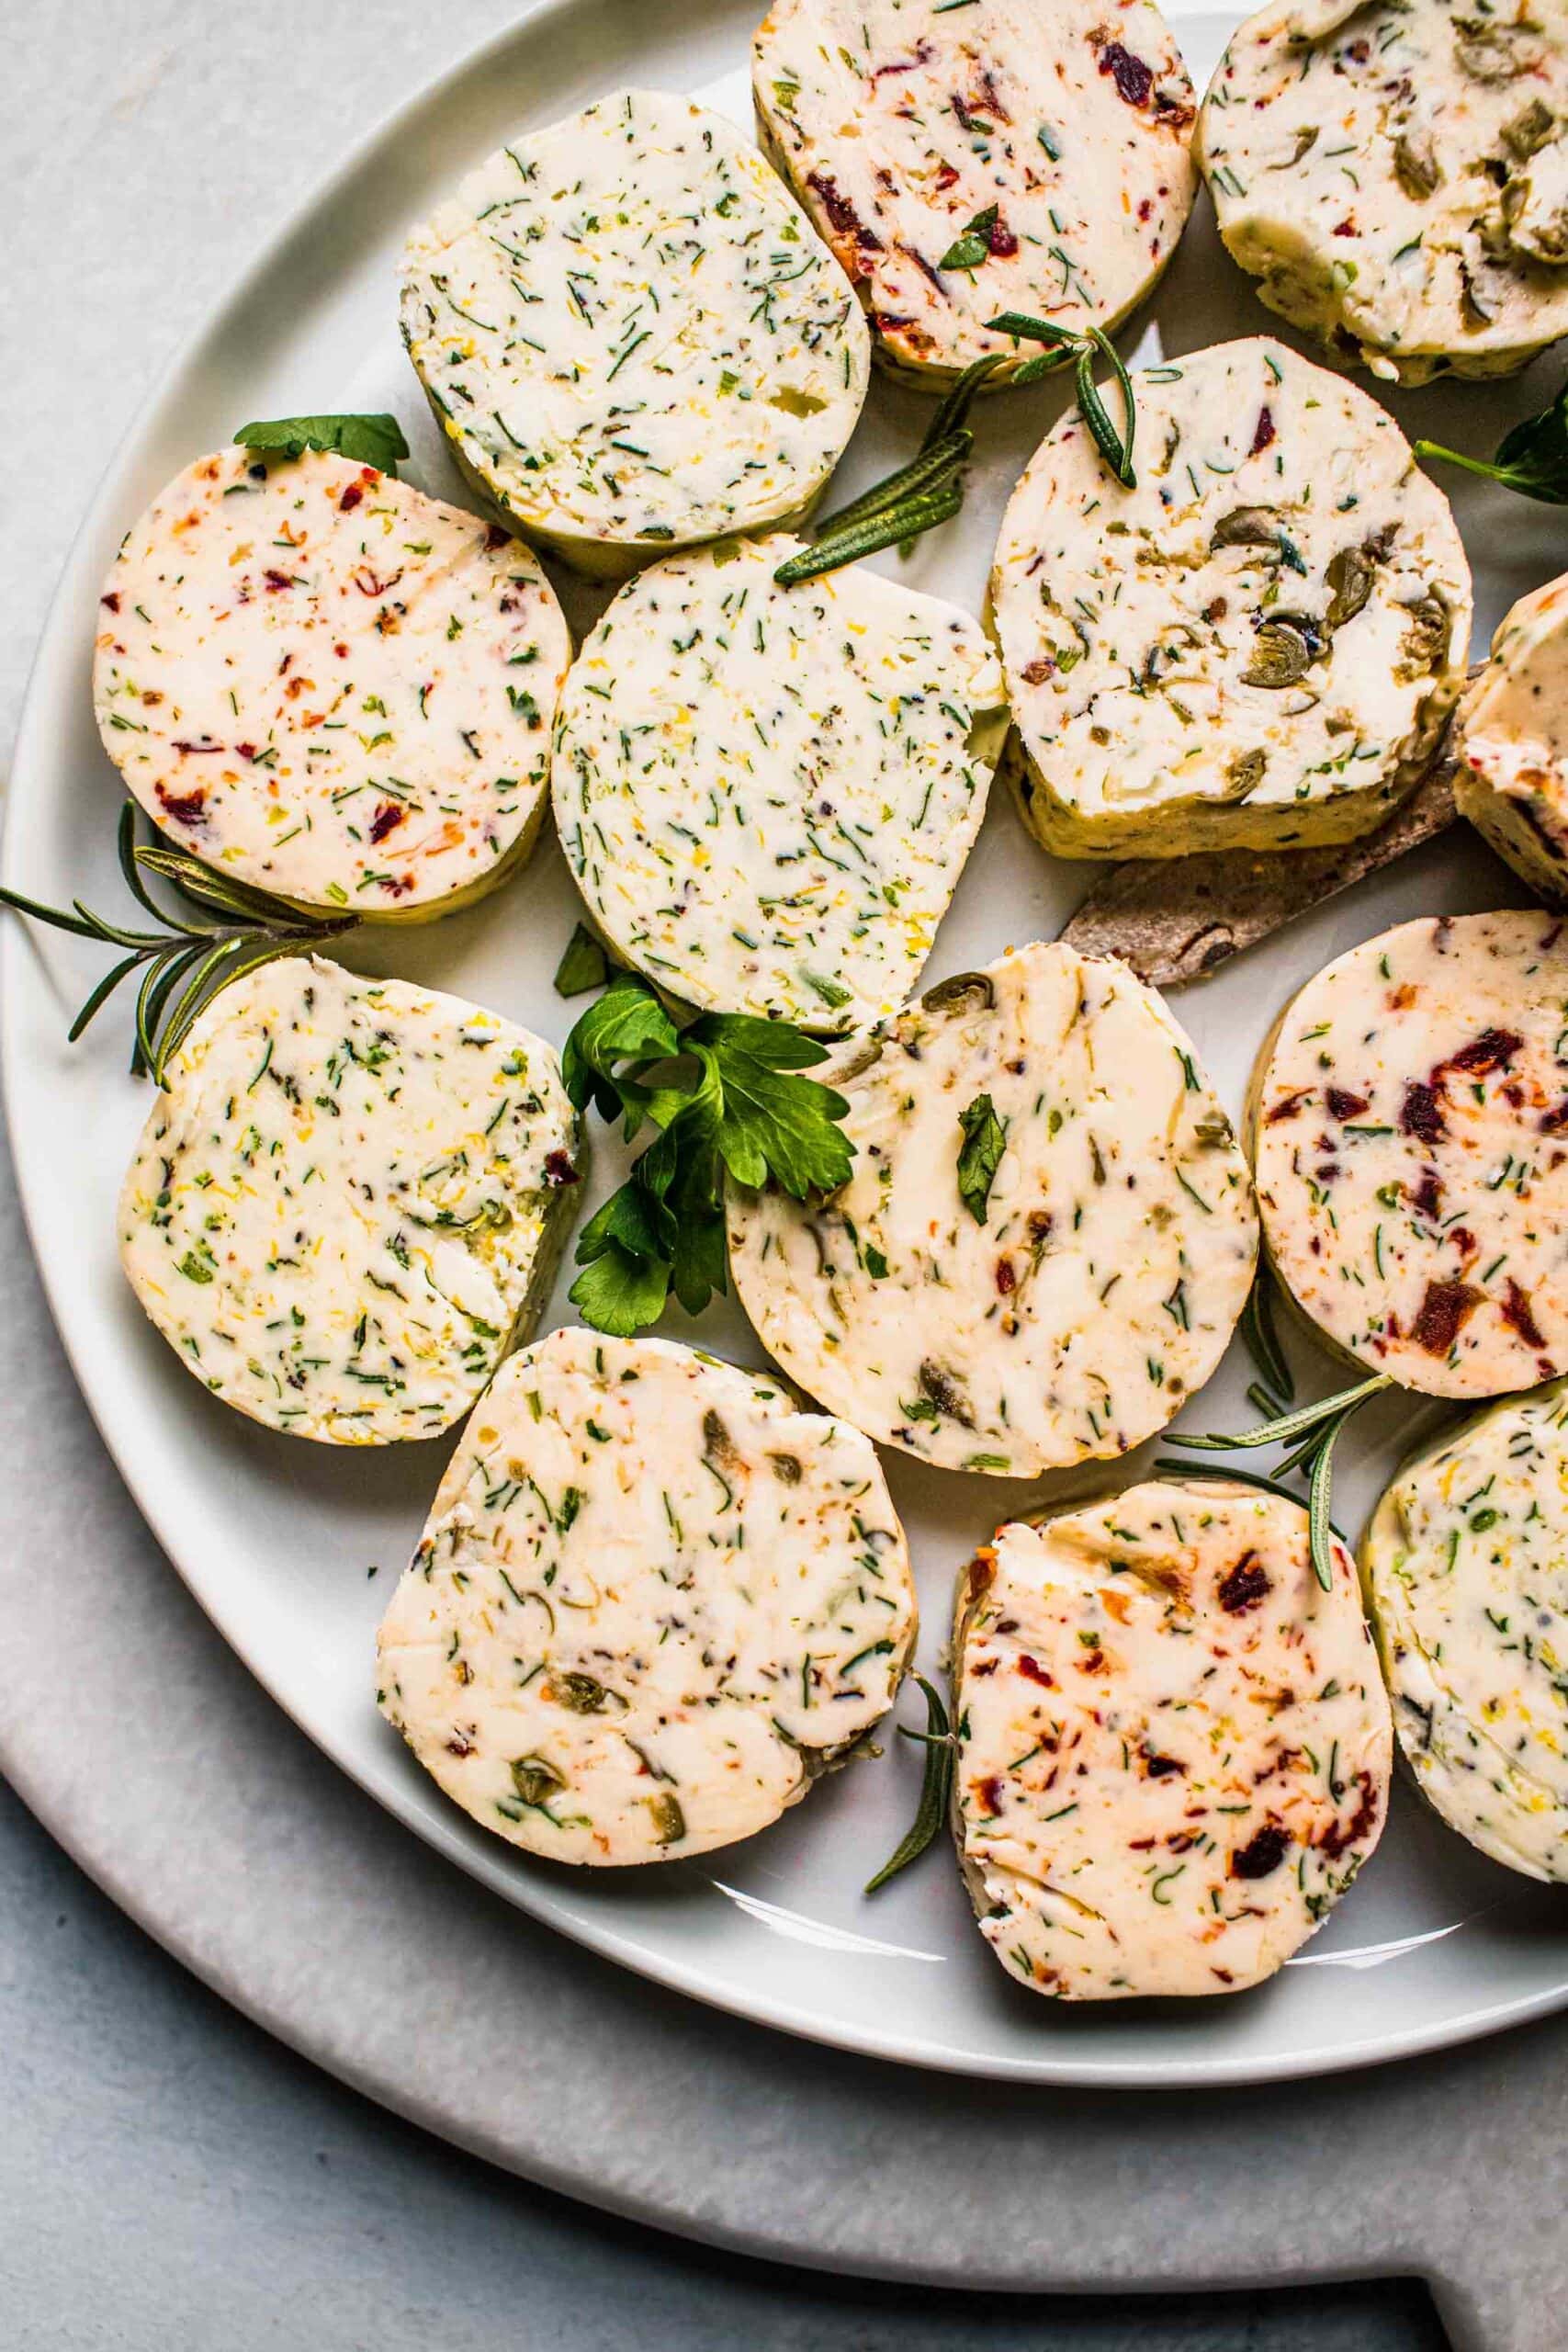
{"points": [[1117, 1247], [349, 1201], [1396, 177], [1466, 1569], [1511, 741], [1257, 646], [1410, 1152], [652, 1602], [898, 124], [1173, 1745], [767, 795], [632, 336], [318, 680]]}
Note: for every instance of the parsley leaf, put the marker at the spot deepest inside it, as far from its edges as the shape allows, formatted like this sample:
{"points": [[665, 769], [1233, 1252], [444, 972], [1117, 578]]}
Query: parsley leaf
{"points": [[1531, 458], [584, 964], [621, 1293], [725, 1095], [365, 440], [985, 1140], [628, 1024], [968, 251]]}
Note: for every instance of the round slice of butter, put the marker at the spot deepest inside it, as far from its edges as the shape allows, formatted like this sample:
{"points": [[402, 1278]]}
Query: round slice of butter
{"points": [[652, 1602], [1046, 1237], [766, 794], [1410, 1129], [1173, 1746], [1257, 646], [1396, 177], [319, 681], [1511, 741], [632, 336], [995, 156], [349, 1202], [1465, 1564]]}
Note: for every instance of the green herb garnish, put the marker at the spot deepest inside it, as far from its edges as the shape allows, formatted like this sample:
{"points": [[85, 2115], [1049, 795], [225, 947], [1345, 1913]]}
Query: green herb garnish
{"points": [[985, 1140], [1317, 1427], [376, 440], [936, 1788], [186, 962], [1532, 458], [928, 491], [1071, 347], [584, 964], [725, 1098], [1261, 1340], [973, 246]]}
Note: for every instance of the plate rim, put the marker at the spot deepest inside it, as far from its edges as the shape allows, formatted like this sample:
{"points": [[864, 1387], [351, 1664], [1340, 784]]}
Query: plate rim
{"points": [[517, 1885]]}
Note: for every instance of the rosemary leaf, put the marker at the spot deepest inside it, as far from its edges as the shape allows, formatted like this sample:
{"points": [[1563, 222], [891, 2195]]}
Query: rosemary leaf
{"points": [[185, 962], [85, 926], [1261, 1340], [954, 410], [1321, 1534], [929, 470], [888, 529], [1082, 347], [1165, 1467], [163, 976], [1289, 1425], [101, 995], [936, 1788]]}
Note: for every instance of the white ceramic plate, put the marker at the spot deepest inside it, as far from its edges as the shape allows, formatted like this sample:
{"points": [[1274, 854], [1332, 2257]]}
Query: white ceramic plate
{"points": [[275, 1538]]}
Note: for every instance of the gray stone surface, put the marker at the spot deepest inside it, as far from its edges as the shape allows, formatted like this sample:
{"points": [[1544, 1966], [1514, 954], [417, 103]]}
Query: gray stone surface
{"points": [[170, 2176], [161, 2179]]}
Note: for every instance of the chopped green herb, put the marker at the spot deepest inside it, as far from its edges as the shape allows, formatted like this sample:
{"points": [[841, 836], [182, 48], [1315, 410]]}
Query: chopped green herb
{"points": [[188, 960], [374, 440], [936, 1787], [985, 1140]]}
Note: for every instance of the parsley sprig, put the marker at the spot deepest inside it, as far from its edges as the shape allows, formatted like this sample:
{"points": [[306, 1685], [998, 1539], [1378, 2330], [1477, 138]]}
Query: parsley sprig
{"points": [[373, 440], [1532, 458], [1313, 1432], [725, 1096], [188, 958]]}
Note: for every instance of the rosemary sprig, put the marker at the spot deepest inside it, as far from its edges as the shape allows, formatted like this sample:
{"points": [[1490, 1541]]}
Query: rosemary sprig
{"points": [[936, 1788], [929, 489], [1079, 349], [1165, 1467], [1261, 1340], [1319, 1427], [916, 498], [186, 962]]}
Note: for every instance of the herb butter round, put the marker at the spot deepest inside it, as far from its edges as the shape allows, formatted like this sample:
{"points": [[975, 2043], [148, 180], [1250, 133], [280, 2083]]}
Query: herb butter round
{"points": [[1410, 1139], [349, 1200], [1394, 174], [996, 156], [1511, 741], [1046, 1237], [1465, 1564], [321, 681], [653, 1601], [767, 795], [1174, 1747], [632, 336], [1257, 646]]}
